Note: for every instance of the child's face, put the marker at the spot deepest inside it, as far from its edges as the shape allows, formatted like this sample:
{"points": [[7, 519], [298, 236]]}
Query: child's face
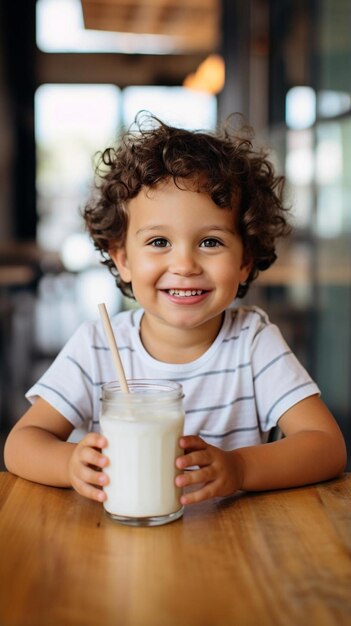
{"points": [[182, 256]]}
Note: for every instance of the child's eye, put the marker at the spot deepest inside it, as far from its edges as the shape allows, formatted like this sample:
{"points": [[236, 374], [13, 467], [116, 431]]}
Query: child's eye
{"points": [[211, 242], [159, 242]]}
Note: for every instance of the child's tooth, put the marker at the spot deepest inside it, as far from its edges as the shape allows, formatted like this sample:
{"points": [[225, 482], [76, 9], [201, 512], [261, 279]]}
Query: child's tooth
{"points": [[185, 292]]}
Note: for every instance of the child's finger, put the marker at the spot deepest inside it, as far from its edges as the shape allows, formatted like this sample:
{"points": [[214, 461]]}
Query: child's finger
{"points": [[89, 491], [195, 477], [199, 457], [192, 442], [88, 475], [205, 493], [95, 440], [90, 456]]}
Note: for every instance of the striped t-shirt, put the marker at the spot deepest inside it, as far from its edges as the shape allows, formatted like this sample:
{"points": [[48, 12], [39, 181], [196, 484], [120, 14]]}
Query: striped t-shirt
{"points": [[234, 393]]}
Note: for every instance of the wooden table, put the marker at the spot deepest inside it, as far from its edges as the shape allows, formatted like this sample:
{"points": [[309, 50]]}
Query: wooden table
{"points": [[274, 558]]}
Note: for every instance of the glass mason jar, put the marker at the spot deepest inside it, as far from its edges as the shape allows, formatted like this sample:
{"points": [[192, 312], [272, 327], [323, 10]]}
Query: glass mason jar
{"points": [[142, 428]]}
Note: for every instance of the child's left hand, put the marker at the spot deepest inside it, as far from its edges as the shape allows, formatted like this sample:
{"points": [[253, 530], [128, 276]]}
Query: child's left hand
{"points": [[218, 471]]}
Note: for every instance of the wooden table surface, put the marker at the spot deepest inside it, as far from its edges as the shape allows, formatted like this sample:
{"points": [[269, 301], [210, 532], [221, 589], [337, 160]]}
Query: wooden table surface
{"points": [[274, 558]]}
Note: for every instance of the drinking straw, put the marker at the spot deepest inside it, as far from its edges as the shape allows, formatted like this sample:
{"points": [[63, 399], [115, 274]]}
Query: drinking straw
{"points": [[111, 340]]}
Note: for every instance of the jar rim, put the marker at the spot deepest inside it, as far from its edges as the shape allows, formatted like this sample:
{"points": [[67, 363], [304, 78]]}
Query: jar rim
{"points": [[144, 388]]}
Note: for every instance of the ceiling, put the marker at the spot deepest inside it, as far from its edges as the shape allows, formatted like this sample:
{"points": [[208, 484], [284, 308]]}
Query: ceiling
{"points": [[191, 25]]}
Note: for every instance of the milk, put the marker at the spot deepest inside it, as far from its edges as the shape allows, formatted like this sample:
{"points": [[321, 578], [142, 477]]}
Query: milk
{"points": [[143, 431]]}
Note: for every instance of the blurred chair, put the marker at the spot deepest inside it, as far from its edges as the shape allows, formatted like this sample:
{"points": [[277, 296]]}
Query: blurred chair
{"points": [[20, 270]]}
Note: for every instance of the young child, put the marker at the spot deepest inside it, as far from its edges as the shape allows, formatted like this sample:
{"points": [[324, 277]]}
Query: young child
{"points": [[185, 221]]}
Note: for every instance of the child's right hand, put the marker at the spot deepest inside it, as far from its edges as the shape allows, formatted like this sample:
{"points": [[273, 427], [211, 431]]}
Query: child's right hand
{"points": [[85, 466]]}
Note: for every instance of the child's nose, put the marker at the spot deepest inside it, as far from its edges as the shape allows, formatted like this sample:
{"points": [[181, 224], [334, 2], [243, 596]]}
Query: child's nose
{"points": [[185, 263]]}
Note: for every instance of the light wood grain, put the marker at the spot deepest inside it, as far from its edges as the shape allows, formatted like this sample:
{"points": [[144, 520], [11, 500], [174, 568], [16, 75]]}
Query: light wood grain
{"points": [[275, 558], [192, 24]]}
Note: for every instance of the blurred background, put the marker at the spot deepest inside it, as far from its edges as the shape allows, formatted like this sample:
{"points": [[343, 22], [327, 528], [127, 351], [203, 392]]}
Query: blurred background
{"points": [[73, 74]]}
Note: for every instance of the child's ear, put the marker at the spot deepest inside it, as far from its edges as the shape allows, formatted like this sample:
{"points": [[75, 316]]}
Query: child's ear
{"points": [[120, 259], [245, 269]]}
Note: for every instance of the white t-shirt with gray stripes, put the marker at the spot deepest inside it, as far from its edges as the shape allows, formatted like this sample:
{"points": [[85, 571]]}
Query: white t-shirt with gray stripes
{"points": [[234, 393]]}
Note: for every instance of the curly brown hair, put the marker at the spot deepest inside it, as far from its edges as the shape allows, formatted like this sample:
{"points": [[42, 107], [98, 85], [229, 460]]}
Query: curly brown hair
{"points": [[224, 164]]}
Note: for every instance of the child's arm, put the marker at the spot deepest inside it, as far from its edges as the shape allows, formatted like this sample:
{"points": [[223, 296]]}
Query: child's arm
{"points": [[313, 450], [36, 449]]}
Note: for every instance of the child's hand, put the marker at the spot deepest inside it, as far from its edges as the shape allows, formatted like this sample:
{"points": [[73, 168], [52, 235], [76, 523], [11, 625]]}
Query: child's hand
{"points": [[218, 472], [85, 465]]}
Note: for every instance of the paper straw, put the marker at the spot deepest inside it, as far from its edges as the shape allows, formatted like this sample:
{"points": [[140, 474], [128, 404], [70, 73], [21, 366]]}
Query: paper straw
{"points": [[111, 340]]}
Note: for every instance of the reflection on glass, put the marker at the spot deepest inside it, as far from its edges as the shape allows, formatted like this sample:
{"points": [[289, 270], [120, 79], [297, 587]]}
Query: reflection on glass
{"points": [[300, 107], [328, 154], [299, 172], [330, 210], [332, 103], [329, 216], [300, 165]]}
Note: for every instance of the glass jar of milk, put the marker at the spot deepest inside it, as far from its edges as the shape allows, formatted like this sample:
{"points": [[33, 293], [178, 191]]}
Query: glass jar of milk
{"points": [[143, 429]]}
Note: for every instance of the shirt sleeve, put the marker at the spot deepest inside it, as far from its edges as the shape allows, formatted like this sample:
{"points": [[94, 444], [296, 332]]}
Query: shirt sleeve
{"points": [[68, 383], [280, 380]]}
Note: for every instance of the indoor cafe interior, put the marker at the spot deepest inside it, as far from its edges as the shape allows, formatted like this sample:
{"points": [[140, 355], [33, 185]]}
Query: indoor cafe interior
{"points": [[73, 75]]}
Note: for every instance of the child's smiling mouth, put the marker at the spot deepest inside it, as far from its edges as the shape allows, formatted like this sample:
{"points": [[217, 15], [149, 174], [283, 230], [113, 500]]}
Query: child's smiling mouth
{"points": [[186, 296], [185, 292]]}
